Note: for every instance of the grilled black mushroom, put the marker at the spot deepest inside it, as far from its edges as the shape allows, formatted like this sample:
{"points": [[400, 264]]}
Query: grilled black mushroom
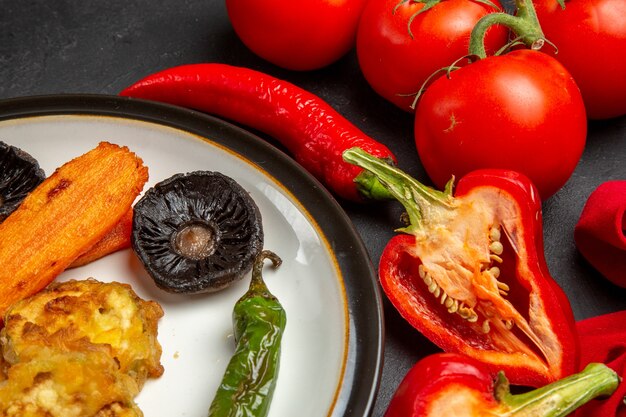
{"points": [[19, 175], [197, 232]]}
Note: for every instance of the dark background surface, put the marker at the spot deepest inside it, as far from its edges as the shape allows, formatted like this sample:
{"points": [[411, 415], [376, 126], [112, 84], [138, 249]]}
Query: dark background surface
{"points": [[72, 46]]}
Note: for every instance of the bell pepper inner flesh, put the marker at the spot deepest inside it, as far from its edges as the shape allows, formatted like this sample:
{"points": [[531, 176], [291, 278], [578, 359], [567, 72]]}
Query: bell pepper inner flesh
{"points": [[461, 252], [469, 255], [458, 400]]}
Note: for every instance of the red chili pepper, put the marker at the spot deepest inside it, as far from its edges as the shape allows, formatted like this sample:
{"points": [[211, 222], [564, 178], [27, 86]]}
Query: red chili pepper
{"points": [[453, 385], [314, 133], [604, 339], [470, 274]]}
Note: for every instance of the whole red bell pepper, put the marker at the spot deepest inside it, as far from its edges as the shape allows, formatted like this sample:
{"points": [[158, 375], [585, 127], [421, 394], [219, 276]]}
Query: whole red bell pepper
{"points": [[469, 272], [453, 385]]}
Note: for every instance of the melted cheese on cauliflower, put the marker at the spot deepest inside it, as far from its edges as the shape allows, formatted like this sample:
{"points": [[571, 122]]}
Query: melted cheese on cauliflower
{"points": [[79, 348], [67, 384]]}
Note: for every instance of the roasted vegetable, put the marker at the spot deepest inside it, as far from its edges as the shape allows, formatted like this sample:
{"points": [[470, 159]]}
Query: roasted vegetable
{"points": [[259, 321], [197, 232], [19, 175], [79, 348], [68, 384], [87, 315], [116, 239], [65, 216]]}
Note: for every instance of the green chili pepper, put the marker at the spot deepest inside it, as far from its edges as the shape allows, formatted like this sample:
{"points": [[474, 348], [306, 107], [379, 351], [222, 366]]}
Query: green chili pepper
{"points": [[259, 320]]}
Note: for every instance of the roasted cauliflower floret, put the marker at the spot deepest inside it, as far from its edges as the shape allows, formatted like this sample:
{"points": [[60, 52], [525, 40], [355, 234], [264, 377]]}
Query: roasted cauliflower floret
{"points": [[83, 316], [68, 384]]}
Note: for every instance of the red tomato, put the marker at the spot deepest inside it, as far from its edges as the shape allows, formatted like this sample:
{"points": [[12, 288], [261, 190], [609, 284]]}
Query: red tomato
{"points": [[297, 35], [520, 111], [591, 39], [395, 64]]}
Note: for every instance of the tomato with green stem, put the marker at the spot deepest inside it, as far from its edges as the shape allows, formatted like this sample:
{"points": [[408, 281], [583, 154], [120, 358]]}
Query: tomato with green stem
{"points": [[590, 41], [520, 111], [400, 43]]}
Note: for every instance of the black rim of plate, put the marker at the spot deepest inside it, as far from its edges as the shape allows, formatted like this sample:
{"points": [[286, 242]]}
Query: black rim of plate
{"points": [[365, 346]]}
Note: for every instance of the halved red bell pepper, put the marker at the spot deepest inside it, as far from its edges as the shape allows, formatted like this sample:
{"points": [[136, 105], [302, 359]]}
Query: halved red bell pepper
{"points": [[454, 385], [470, 274]]}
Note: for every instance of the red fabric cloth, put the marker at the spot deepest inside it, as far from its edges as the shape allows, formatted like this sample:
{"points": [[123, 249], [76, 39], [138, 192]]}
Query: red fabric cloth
{"points": [[599, 233], [600, 238], [603, 339]]}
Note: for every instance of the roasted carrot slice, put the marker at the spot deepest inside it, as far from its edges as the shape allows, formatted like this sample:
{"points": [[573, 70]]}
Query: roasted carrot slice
{"points": [[65, 216], [116, 239]]}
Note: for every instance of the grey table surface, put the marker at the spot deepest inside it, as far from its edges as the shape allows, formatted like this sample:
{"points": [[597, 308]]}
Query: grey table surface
{"points": [[99, 47]]}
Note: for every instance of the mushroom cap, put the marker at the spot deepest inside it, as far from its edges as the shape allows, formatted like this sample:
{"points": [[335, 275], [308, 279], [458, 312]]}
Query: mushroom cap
{"points": [[19, 175], [197, 232]]}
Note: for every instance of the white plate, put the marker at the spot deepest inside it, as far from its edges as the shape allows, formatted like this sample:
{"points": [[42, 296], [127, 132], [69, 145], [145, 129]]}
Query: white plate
{"points": [[332, 346]]}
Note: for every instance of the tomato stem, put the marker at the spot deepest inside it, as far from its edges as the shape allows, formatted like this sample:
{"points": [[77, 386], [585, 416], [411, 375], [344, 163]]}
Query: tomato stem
{"points": [[428, 4], [524, 24]]}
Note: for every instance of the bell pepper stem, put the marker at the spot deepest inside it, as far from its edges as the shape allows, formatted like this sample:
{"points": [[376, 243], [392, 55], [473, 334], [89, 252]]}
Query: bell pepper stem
{"points": [[370, 188], [560, 398], [414, 196]]}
